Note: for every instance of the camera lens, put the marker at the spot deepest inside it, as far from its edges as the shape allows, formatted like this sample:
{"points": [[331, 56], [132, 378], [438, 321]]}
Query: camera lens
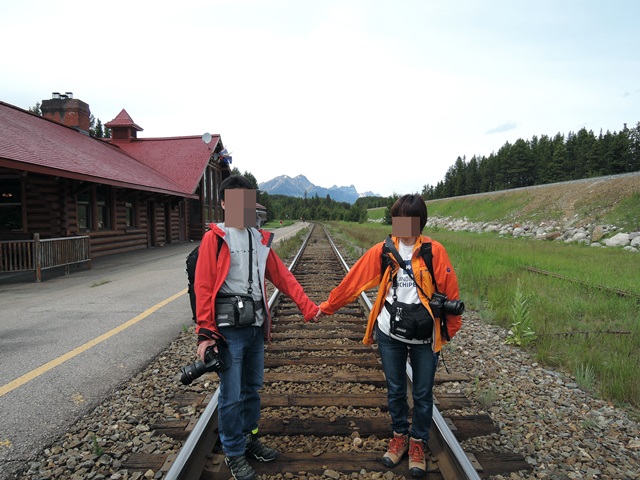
{"points": [[454, 307], [191, 372]]}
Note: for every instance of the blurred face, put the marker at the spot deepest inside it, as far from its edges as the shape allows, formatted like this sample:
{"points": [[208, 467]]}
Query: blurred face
{"points": [[405, 227], [239, 208]]}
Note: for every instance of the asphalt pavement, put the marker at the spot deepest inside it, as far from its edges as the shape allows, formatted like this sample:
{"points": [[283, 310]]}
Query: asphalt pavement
{"points": [[68, 342]]}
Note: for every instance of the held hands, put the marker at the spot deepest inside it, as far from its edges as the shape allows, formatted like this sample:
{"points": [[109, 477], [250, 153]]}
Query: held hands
{"points": [[319, 315]]}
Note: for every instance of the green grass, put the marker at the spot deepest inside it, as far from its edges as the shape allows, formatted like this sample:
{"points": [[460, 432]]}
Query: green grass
{"points": [[96, 448], [376, 213], [626, 214], [575, 324], [488, 208], [601, 203], [287, 248], [273, 224]]}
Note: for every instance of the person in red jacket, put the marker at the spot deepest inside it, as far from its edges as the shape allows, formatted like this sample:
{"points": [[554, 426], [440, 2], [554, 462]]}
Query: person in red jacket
{"points": [[231, 310], [403, 301]]}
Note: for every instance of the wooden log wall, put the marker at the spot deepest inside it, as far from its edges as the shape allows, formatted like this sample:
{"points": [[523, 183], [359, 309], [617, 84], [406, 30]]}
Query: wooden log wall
{"points": [[175, 224], [51, 211], [108, 242], [160, 225], [122, 239], [44, 206]]}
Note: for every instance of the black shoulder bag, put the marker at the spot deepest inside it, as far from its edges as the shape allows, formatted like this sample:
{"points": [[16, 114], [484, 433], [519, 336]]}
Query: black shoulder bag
{"points": [[408, 321]]}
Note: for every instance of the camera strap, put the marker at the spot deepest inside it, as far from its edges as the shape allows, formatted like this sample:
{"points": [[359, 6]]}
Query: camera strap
{"points": [[250, 289]]}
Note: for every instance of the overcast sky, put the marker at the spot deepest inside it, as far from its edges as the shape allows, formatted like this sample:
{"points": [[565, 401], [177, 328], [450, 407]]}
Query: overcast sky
{"points": [[382, 95]]}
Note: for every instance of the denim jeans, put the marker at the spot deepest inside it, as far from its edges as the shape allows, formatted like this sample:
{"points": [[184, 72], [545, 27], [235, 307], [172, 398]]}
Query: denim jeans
{"points": [[239, 400], [423, 363]]}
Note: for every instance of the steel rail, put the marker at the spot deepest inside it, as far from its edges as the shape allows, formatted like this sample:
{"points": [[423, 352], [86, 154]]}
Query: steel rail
{"points": [[190, 461], [346, 267], [617, 291], [462, 467]]}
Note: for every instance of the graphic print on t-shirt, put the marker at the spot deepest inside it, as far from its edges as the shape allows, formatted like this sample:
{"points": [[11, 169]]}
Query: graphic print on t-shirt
{"points": [[404, 280]]}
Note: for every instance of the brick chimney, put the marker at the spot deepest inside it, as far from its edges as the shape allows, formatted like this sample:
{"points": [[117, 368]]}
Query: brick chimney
{"points": [[65, 109]]}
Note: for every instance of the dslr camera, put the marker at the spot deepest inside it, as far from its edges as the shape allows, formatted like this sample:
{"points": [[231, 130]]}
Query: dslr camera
{"points": [[213, 362], [441, 306]]}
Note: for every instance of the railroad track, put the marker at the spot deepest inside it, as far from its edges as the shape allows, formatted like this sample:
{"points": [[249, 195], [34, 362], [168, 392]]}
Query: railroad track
{"points": [[324, 401]]}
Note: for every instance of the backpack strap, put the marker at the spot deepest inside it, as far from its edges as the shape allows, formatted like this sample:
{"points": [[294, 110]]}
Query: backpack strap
{"points": [[427, 255], [220, 242], [268, 236]]}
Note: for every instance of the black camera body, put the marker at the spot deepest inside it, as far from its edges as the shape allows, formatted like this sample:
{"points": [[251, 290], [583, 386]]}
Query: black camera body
{"points": [[441, 305], [213, 362]]}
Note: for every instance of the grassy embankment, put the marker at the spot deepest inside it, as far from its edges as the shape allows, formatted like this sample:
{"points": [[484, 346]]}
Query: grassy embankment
{"points": [[590, 332]]}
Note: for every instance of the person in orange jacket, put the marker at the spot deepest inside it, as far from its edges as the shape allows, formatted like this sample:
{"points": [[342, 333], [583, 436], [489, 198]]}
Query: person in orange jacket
{"points": [[232, 315], [409, 287]]}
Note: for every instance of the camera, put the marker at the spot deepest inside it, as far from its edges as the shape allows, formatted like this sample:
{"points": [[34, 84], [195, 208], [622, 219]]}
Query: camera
{"points": [[213, 362], [440, 306]]}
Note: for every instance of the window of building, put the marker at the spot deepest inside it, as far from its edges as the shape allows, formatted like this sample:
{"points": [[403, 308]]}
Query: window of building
{"points": [[196, 212], [85, 222], [103, 204], [10, 204], [129, 214]]}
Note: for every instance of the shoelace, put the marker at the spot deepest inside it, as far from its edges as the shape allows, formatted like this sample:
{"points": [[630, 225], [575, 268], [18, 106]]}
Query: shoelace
{"points": [[416, 453], [396, 444]]}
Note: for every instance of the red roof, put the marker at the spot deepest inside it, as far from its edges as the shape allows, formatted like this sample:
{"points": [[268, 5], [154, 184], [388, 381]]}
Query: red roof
{"points": [[123, 120], [183, 159], [166, 165]]}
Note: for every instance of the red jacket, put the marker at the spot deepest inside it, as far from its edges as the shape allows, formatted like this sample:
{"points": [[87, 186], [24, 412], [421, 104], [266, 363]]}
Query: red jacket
{"points": [[212, 268], [366, 274]]}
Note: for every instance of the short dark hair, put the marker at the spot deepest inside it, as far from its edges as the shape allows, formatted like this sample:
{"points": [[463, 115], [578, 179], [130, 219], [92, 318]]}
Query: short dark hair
{"points": [[411, 206], [234, 181]]}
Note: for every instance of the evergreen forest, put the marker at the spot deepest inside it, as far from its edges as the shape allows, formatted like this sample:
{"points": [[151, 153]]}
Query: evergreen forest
{"points": [[541, 161]]}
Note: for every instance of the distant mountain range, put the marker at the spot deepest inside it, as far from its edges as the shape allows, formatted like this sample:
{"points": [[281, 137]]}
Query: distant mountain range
{"points": [[298, 186]]}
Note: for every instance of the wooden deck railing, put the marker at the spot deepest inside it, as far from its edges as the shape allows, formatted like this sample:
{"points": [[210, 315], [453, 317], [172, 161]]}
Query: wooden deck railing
{"points": [[37, 255]]}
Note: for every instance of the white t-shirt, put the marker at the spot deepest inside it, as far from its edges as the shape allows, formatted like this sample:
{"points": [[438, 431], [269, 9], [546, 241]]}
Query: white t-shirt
{"points": [[407, 292]]}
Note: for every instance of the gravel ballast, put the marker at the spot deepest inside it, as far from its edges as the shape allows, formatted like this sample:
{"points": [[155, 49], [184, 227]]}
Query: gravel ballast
{"points": [[563, 432]]}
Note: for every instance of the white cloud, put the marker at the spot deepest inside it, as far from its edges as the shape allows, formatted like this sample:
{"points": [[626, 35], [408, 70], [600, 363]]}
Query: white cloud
{"points": [[343, 92]]}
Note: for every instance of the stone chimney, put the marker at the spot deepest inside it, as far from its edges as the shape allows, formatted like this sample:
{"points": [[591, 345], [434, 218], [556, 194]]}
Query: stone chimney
{"points": [[65, 109]]}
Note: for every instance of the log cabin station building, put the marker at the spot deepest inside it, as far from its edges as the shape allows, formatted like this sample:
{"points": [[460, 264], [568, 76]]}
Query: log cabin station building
{"points": [[67, 197]]}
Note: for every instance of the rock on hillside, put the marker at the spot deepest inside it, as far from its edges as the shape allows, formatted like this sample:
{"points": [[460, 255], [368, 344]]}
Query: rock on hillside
{"points": [[582, 203]]}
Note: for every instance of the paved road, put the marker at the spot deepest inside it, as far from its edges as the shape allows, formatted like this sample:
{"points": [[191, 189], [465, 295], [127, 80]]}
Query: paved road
{"points": [[68, 342]]}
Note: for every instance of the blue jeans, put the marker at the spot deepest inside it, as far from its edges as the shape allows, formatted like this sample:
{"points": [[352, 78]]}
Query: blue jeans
{"points": [[239, 400], [423, 363]]}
